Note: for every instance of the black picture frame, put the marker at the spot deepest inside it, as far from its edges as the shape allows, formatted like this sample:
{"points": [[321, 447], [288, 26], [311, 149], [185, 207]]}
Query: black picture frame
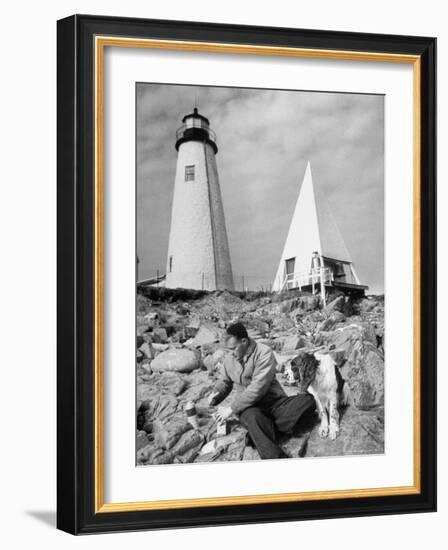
{"points": [[76, 509]]}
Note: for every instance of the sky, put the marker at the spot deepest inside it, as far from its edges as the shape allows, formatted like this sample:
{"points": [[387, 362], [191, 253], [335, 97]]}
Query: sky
{"points": [[265, 140]]}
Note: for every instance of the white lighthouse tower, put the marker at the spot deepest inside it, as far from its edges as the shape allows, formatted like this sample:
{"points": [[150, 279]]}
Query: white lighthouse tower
{"points": [[198, 250]]}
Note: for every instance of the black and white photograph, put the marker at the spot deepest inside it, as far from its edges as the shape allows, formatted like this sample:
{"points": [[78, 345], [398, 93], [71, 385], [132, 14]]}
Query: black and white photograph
{"points": [[260, 274]]}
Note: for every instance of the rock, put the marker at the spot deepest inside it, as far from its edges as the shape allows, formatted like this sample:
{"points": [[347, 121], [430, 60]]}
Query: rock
{"points": [[365, 305], [329, 323], [209, 457], [286, 322], [183, 309], [282, 360], [200, 385], [167, 434], [189, 445], [360, 433], [144, 454], [153, 455], [288, 305], [192, 327], [206, 335], [147, 371], [171, 383], [160, 347], [250, 454], [234, 451], [338, 355], [145, 391], [364, 375], [160, 407], [262, 326], [345, 337], [214, 360], [143, 375], [178, 359], [347, 308], [335, 305], [280, 323], [151, 318], [223, 442], [147, 349], [141, 440], [296, 445], [294, 342], [160, 335], [308, 303]]}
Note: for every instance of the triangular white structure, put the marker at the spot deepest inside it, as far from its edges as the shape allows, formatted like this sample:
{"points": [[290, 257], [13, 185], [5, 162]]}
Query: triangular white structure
{"points": [[314, 253]]}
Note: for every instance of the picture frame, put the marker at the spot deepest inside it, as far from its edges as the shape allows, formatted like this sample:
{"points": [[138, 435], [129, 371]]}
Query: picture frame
{"points": [[82, 42]]}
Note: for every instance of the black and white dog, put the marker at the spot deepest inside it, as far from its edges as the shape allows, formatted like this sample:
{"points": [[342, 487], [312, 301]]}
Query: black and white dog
{"points": [[318, 374]]}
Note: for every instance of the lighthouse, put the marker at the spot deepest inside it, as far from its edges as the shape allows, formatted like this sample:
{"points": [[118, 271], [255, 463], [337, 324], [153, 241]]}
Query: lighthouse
{"points": [[198, 249]]}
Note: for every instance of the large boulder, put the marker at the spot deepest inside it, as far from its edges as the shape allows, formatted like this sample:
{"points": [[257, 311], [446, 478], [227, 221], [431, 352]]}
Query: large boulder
{"points": [[364, 374], [167, 434], [158, 407], [199, 385], [361, 432], [177, 359], [361, 362], [170, 382], [346, 336]]}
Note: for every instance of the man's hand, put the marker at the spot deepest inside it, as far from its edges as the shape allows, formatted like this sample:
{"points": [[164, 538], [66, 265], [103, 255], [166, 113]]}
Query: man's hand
{"points": [[211, 397], [223, 413]]}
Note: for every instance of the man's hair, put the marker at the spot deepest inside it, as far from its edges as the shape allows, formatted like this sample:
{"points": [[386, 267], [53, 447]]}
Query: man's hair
{"points": [[237, 330]]}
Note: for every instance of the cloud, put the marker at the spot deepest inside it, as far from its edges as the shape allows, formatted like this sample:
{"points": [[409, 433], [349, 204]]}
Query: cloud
{"points": [[265, 139]]}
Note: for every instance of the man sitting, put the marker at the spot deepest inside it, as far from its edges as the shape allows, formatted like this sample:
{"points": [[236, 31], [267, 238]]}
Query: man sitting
{"points": [[260, 402]]}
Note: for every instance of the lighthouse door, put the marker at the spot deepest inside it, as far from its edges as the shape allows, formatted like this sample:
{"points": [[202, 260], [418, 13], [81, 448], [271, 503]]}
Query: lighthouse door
{"points": [[289, 268]]}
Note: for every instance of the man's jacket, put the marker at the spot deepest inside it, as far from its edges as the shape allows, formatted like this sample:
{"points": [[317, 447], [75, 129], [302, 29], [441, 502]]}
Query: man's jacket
{"points": [[253, 377]]}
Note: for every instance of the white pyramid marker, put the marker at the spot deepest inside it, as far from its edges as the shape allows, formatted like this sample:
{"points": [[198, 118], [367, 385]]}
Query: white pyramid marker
{"points": [[314, 230]]}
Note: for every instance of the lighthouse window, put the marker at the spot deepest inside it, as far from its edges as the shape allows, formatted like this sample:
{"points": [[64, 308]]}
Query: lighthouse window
{"points": [[171, 264], [189, 172]]}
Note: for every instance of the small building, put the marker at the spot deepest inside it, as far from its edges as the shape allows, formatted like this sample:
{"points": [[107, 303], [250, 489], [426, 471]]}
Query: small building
{"points": [[314, 255]]}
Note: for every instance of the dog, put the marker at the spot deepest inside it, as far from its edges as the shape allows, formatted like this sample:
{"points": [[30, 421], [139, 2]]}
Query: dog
{"points": [[318, 374]]}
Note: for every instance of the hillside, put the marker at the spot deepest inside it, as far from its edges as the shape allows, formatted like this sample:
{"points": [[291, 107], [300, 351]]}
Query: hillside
{"points": [[183, 330]]}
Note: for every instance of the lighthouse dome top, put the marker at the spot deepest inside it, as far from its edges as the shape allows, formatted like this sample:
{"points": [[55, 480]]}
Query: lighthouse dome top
{"points": [[196, 127], [196, 114]]}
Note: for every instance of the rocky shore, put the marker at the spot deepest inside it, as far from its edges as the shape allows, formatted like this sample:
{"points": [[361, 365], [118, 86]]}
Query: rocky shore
{"points": [[179, 352]]}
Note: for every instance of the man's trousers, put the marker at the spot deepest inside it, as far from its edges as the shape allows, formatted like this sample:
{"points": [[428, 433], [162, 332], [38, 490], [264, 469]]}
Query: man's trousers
{"points": [[265, 420]]}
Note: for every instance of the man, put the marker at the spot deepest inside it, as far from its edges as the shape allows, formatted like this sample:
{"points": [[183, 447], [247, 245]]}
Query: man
{"points": [[260, 402]]}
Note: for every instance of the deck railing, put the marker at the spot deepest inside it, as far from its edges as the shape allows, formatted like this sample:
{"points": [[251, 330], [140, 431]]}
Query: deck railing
{"points": [[180, 132], [314, 278]]}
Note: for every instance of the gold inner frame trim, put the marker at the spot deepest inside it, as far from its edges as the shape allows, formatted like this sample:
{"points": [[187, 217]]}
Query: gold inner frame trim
{"points": [[101, 42]]}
